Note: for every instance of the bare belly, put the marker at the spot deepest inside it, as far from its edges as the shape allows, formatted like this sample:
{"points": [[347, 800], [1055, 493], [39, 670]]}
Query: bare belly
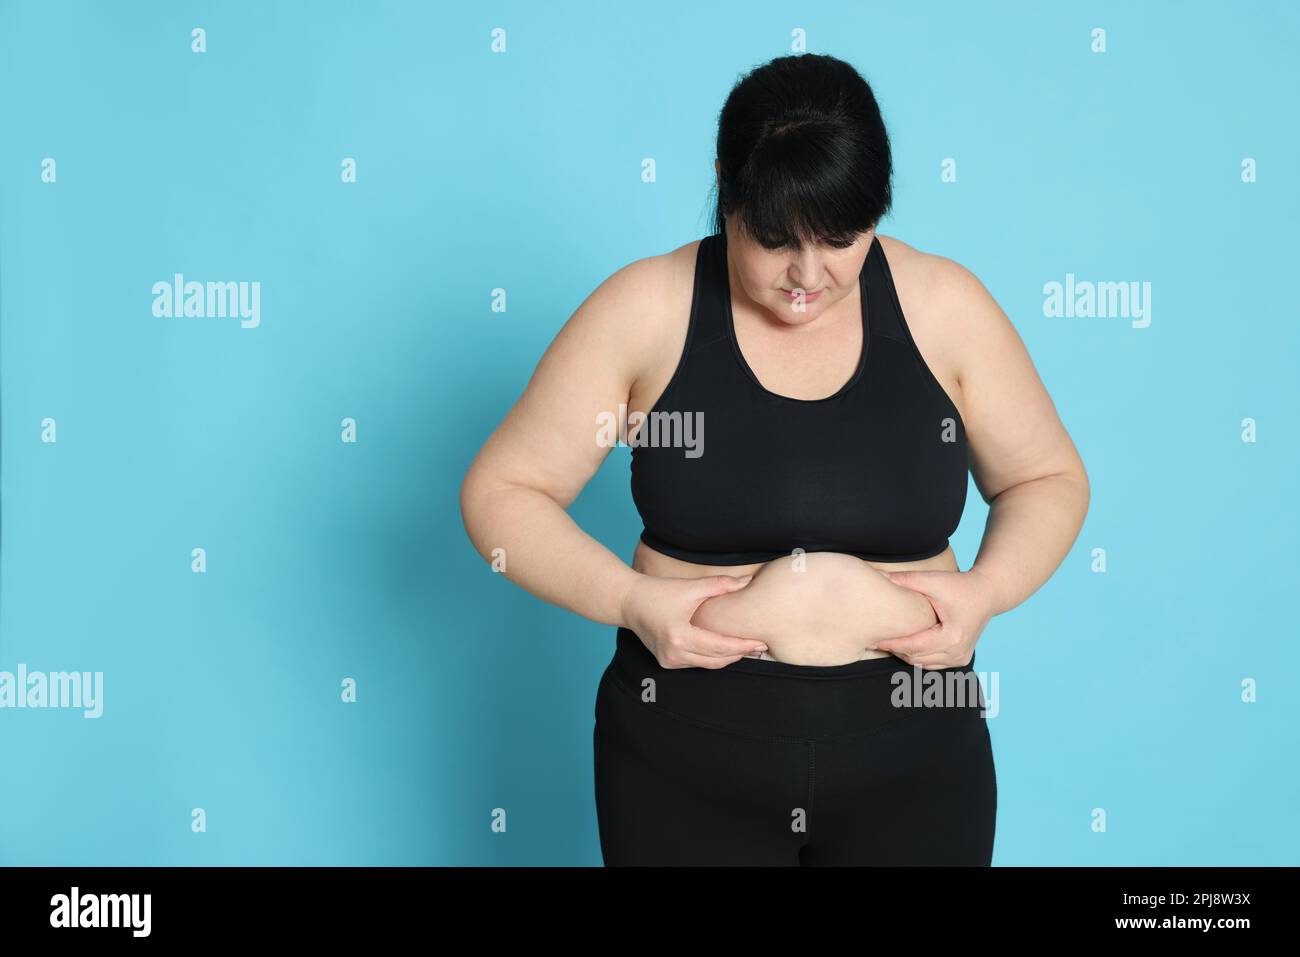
{"points": [[819, 608]]}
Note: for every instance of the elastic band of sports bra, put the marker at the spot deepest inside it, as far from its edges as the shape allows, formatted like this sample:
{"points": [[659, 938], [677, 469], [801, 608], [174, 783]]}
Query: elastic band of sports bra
{"points": [[753, 557]]}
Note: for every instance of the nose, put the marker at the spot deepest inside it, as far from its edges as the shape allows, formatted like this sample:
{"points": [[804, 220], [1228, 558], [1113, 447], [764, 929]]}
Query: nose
{"points": [[805, 270]]}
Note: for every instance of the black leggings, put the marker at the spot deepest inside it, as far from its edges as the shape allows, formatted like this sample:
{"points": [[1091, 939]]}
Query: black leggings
{"points": [[769, 763]]}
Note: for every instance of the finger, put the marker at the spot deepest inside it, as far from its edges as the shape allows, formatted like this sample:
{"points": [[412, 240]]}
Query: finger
{"points": [[936, 660], [690, 660], [925, 661], [930, 655], [924, 642], [905, 579], [720, 585], [711, 644]]}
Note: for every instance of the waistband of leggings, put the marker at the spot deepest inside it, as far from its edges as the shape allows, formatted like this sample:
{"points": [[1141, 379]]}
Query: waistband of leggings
{"points": [[762, 698], [628, 641]]}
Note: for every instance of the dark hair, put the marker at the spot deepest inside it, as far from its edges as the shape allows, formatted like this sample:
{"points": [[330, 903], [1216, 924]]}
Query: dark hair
{"points": [[803, 153]]}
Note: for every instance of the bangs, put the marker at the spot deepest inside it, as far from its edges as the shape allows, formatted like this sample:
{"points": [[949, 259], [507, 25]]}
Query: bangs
{"points": [[797, 193]]}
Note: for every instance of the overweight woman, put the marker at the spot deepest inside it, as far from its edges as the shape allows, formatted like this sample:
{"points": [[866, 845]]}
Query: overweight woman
{"points": [[793, 676]]}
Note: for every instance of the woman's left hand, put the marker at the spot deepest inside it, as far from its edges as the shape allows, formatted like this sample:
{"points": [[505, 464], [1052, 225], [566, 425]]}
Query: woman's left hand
{"points": [[961, 604]]}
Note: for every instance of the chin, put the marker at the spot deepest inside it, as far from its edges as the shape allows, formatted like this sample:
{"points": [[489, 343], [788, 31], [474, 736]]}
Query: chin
{"points": [[811, 310]]}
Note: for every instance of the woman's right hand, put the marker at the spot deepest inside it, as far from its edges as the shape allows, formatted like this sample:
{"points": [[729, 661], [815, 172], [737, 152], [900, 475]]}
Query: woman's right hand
{"points": [[658, 610]]}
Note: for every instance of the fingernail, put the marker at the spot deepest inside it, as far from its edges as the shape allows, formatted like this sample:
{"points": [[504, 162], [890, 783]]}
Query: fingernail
{"points": [[746, 579]]}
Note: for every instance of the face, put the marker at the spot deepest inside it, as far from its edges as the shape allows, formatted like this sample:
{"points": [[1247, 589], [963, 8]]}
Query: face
{"points": [[797, 285]]}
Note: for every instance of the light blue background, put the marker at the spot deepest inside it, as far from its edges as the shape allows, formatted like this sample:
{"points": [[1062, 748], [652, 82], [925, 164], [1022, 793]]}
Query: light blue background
{"points": [[522, 171]]}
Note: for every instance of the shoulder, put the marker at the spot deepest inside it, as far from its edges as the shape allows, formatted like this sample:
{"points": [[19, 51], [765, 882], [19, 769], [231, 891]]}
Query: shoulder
{"points": [[946, 306], [932, 280], [633, 302], [637, 317]]}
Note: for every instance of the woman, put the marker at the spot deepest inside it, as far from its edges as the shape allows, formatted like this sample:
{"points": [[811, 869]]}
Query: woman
{"points": [[806, 400]]}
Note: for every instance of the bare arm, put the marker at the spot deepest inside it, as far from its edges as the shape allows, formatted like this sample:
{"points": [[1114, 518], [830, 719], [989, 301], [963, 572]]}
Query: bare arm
{"points": [[1022, 459], [515, 494], [517, 489]]}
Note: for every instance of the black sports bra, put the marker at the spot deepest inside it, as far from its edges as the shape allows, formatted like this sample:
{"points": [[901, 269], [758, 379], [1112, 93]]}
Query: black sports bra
{"points": [[725, 472]]}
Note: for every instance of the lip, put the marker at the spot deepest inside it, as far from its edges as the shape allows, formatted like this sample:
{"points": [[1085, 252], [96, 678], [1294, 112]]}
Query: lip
{"points": [[807, 297]]}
